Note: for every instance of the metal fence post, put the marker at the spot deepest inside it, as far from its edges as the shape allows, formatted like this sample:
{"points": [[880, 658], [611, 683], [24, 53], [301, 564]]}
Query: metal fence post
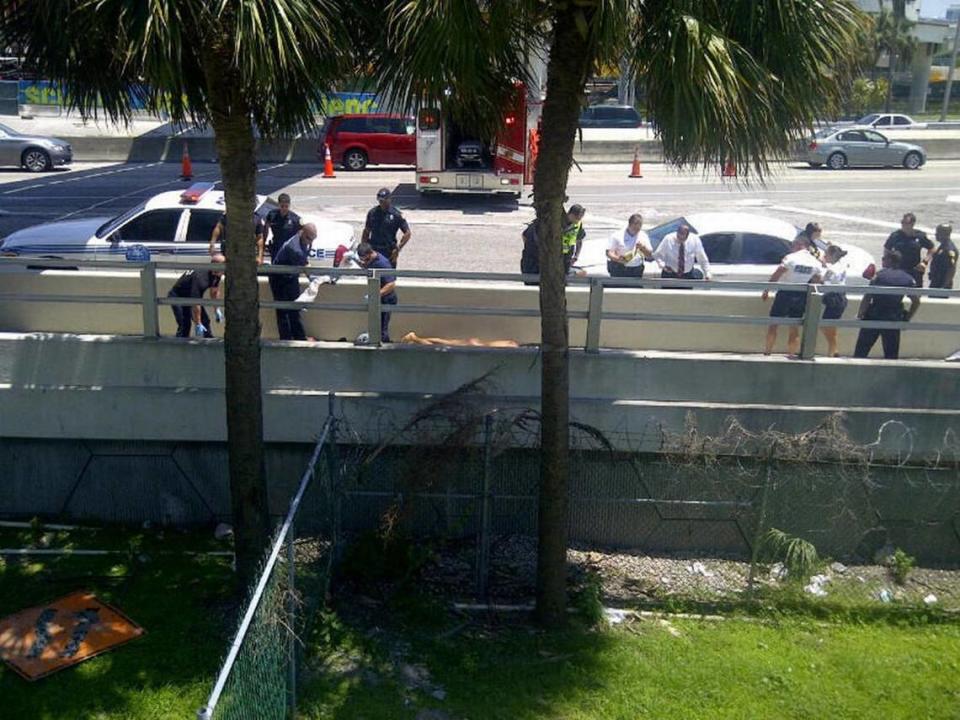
{"points": [[373, 307], [292, 620], [483, 549], [332, 483], [148, 300], [594, 316], [811, 323]]}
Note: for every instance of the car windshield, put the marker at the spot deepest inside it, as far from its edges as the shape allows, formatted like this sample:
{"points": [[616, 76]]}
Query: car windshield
{"points": [[868, 119], [661, 231], [111, 225], [824, 132], [266, 206]]}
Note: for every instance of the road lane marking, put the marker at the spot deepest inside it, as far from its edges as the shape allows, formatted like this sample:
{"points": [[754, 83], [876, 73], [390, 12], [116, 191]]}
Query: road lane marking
{"points": [[886, 224], [152, 187], [77, 178]]}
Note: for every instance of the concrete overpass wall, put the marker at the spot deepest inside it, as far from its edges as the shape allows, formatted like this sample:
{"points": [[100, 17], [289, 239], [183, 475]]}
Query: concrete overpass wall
{"points": [[73, 317], [124, 429]]}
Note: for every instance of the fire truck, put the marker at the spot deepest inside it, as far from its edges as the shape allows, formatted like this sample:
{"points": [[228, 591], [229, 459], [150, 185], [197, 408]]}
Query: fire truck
{"points": [[453, 159]]}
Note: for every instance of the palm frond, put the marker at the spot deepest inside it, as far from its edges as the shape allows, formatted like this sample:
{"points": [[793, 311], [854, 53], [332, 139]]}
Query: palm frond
{"points": [[742, 80]]}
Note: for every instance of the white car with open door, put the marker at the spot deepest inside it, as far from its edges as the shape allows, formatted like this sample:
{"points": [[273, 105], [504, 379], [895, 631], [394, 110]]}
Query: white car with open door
{"points": [[740, 246]]}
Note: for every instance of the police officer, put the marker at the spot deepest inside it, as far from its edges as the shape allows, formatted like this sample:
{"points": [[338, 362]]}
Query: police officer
{"points": [[282, 224], [572, 235], [909, 241], [193, 284], [370, 258], [286, 287], [886, 307], [219, 235], [383, 223], [943, 260]]}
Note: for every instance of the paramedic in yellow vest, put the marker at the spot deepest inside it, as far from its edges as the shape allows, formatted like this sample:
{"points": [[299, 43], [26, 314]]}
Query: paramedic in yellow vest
{"points": [[572, 235]]}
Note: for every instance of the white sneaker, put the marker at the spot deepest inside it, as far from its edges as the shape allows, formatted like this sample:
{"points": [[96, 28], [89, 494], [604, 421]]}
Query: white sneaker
{"points": [[954, 357]]}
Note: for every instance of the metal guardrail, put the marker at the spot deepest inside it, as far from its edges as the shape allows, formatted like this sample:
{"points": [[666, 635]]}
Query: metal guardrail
{"points": [[810, 323]]}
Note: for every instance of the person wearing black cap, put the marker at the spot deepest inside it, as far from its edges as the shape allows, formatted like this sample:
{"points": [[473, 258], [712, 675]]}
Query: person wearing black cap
{"points": [[383, 223], [282, 223]]}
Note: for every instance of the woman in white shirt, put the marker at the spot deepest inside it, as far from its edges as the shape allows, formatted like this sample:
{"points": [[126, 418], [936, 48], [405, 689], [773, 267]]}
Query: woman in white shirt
{"points": [[627, 249], [834, 301]]}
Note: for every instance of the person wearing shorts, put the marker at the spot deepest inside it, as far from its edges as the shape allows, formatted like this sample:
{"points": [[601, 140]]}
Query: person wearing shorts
{"points": [[834, 300], [799, 267]]}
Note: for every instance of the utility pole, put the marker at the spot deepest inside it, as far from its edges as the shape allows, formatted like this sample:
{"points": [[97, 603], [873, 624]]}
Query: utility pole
{"points": [[950, 71]]}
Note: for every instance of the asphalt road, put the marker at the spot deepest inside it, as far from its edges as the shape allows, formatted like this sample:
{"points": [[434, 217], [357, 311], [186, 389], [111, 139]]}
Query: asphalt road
{"points": [[859, 207]]}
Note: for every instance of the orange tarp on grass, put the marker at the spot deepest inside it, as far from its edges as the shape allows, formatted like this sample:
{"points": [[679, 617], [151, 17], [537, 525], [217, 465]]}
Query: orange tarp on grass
{"points": [[41, 640]]}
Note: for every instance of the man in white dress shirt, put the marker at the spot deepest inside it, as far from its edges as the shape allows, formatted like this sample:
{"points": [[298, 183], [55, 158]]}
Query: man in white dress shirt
{"points": [[678, 254], [628, 248]]}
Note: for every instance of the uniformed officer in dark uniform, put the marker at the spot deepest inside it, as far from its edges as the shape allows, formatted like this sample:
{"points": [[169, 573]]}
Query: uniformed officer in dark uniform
{"points": [[286, 288], [943, 261], [282, 224], [886, 307], [383, 223], [908, 241], [193, 284], [370, 258], [219, 235]]}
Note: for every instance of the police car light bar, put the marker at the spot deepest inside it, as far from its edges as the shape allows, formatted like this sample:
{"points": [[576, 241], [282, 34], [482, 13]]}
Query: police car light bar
{"points": [[196, 191]]}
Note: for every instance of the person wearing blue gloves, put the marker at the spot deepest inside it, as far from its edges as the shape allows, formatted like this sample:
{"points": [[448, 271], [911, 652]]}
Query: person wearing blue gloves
{"points": [[194, 284]]}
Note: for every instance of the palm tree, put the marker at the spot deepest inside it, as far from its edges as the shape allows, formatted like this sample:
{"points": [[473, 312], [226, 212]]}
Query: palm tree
{"points": [[726, 79], [229, 64]]}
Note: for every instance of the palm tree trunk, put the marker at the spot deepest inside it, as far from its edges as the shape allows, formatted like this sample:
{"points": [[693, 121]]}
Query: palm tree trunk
{"points": [[568, 65], [236, 147]]}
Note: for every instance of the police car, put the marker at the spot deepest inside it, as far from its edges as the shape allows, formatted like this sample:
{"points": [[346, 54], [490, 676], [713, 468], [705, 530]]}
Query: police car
{"points": [[173, 226]]}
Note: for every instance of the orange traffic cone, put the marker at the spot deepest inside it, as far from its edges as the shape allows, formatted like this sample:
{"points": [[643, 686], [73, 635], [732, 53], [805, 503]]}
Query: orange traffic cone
{"points": [[729, 169], [327, 163], [186, 167], [635, 171]]}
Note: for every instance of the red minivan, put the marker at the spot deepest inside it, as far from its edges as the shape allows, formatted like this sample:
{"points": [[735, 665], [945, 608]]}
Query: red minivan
{"points": [[373, 139]]}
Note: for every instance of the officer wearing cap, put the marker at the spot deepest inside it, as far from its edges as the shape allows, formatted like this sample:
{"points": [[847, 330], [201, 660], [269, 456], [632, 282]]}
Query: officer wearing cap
{"points": [[282, 224], [383, 223]]}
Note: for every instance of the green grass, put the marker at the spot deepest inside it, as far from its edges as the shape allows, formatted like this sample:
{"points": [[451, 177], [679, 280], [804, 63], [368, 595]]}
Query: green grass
{"points": [[178, 599], [738, 668]]}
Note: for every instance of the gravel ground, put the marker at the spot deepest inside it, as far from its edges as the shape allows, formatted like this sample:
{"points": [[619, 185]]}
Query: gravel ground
{"points": [[633, 577]]}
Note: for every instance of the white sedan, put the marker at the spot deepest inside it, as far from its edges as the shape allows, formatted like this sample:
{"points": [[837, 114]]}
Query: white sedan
{"points": [[741, 246], [174, 226], [890, 121]]}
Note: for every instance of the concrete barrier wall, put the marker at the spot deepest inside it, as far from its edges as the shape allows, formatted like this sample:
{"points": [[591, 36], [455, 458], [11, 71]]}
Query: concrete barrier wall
{"points": [[169, 149], [125, 429], [132, 389], [334, 325]]}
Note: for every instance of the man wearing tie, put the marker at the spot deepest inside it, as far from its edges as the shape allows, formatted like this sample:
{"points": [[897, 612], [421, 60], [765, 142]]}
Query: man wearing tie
{"points": [[679, 253]]}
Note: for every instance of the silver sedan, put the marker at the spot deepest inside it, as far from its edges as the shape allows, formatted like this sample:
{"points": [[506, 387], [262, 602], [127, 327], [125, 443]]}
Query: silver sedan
{"points": [[36, 153], [849, 147]]}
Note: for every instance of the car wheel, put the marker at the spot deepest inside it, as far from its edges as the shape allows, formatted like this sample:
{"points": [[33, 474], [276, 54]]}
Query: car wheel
{"points": [[912, 161], [355, 159], [814, 165], [837, 161], [36, 160]]}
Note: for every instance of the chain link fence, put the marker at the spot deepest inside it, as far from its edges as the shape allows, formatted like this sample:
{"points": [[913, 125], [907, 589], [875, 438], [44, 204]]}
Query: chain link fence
{"points": [[766, 516], [259, 677]]}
